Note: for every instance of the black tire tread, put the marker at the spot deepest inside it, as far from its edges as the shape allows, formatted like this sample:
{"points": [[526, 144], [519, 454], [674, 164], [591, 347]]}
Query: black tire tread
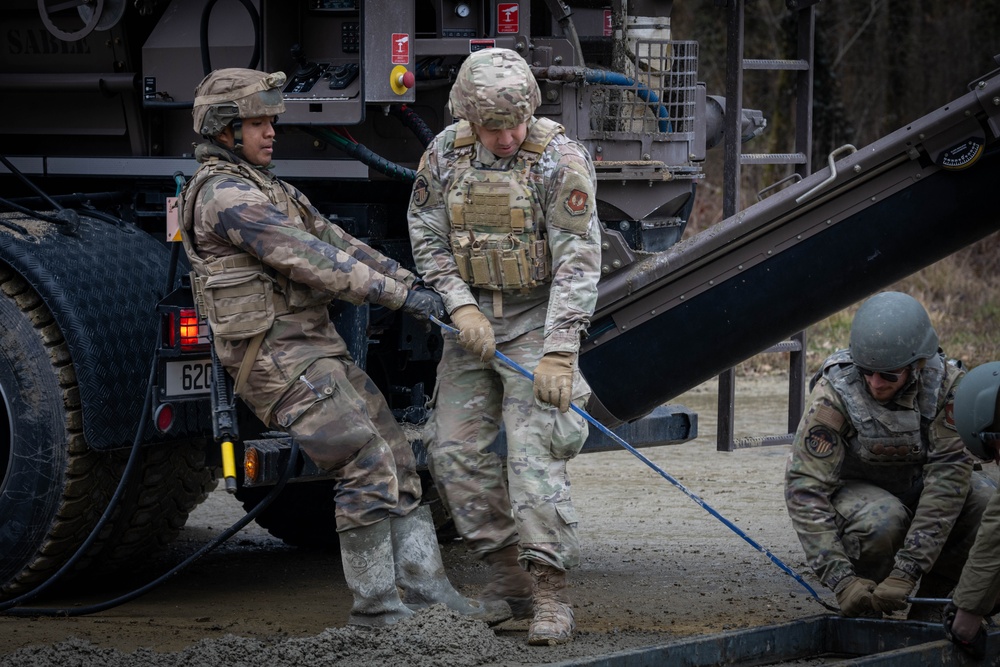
{"points": [[171, 481]]}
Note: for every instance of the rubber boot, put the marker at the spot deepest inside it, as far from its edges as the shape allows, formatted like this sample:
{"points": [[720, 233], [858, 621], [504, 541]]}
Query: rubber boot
{"points": [[420, 570], [510, 582], [553, 622], [367, 556]]}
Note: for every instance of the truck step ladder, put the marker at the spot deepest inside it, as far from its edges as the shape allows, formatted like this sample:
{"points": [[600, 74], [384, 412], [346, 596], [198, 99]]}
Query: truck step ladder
{"points": [[801, 157]]}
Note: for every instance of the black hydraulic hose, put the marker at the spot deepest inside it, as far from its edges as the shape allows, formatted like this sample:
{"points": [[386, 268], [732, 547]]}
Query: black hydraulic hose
{"points": [[54, 204], [206, 14], [67, 219], [34, 214], [17, 228], [414, 123], [91, 212], [222, 537], [363, 154]]}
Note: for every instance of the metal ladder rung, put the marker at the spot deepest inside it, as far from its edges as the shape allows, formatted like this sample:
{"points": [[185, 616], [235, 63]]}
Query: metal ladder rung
{"points": [[763, 440], [772, 158], [785, 346], [754, 64]]}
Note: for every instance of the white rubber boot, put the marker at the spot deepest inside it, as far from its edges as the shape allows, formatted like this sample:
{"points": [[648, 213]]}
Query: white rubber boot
{"points": [[367, 556], [420, 571]]}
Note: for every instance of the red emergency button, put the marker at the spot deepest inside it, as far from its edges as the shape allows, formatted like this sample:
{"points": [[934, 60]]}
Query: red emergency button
{"points": [[401, 80]]}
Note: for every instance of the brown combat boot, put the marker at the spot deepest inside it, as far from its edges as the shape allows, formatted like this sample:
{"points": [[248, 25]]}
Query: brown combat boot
{"points": [[553, 622], [510, 582]]}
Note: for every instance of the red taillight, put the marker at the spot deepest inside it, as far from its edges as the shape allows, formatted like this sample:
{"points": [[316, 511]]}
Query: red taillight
{"points": [[183, 329], [170, 330], [164, 417], [190, 338]]}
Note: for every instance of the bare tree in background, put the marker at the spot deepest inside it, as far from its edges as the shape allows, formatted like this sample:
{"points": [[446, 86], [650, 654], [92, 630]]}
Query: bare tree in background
{"points": [[879, 65]]}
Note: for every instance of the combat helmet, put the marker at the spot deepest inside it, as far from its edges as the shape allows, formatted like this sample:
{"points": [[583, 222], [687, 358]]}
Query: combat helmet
{"points": [[494, 88], [891, 330], [231, 93], [976, 411]]}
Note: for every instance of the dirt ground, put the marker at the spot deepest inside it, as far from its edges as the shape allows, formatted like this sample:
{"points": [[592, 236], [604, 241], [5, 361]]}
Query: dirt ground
{"points": [[656, 567]]}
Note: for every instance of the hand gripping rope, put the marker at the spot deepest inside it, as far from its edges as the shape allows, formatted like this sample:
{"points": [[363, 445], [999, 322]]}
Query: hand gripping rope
{"points": [[608, 432]]}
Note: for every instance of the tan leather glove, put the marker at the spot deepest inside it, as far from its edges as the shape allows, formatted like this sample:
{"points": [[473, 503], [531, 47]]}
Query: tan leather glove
{"points": [[854, 595], [891, 594], [554, 379], [475, 333]]}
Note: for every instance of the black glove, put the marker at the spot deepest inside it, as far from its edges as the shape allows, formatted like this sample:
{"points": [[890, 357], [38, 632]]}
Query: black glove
{"points": [[976, 647], [423, 303]]}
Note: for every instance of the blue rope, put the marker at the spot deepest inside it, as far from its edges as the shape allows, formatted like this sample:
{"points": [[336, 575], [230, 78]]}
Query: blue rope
{"points": [[635, 452], [599, 76]]}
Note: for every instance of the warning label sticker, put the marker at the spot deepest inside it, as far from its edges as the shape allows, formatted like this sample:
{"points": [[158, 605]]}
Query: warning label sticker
{"points": [[506, 18], [400, 48]]}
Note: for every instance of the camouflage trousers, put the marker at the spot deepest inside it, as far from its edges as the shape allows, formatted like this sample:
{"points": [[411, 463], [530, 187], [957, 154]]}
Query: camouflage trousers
{"points": [[531, 503], [342, 422], [873, 524]]}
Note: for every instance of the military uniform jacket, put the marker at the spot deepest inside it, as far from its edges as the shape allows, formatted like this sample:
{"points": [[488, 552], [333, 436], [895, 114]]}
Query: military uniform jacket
{"points": [[561, 185], [237, 208], [908, 446]]}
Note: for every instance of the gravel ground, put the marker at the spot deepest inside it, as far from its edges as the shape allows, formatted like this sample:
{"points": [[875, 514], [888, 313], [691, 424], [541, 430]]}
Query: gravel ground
{"points": [[656, 568]]}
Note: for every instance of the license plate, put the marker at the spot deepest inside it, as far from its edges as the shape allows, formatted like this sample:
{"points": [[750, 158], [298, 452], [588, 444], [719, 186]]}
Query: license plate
{"points": [[188, 378]]}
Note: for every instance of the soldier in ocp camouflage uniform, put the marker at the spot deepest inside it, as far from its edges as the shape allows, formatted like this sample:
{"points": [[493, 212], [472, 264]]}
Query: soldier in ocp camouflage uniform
{"points": [[977, 595], [267, 265], [879, 487], [503, 225]]}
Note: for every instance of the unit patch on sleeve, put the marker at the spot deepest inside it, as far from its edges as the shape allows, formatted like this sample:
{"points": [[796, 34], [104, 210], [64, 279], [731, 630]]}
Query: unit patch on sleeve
{"points": [[573, 205], [949, 414], [421, 192], [576, 203], [820, 441]]}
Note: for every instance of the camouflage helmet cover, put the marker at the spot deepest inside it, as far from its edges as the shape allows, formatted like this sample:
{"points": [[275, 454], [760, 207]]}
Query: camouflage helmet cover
{"points": [[891, 330], [230, 93], [975, 408], [495, 89]]}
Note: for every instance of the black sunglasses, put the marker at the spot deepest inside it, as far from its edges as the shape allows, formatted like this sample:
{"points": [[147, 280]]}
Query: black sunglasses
{"points": [[888, 377]]}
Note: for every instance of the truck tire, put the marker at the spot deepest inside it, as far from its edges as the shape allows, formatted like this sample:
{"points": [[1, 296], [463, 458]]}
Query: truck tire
{"points": [[53, 486], [170, 481]]}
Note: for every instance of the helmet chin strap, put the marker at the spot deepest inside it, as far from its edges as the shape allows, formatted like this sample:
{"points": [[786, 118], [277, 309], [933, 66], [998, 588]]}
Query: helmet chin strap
{"points": [[237, 126]]}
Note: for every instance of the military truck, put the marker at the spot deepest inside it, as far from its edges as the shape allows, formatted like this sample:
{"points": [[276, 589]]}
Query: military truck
{"points": [[111, 402]]}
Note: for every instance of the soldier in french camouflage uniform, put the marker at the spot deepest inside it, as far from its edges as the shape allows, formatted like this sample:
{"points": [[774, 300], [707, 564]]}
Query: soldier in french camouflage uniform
{"points": [[879, 487], [267, 265], [977, 595], [503, 224]]}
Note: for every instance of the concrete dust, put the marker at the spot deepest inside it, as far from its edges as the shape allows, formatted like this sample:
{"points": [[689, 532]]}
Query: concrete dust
{"points": [[434, 637], [656, 568]]}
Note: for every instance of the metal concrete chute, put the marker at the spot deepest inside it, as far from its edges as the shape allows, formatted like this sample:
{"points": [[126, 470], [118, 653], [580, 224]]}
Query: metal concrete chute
{"points": [[800, 255]]}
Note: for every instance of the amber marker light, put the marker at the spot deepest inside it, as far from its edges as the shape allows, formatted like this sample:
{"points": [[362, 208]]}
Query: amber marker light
{"points": [[251, 466]]}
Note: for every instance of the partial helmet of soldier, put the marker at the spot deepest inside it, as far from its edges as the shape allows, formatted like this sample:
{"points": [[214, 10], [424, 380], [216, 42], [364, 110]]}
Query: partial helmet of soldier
{"points": [[494, 89], [231, 93], [976, 411], [891, 330]]}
